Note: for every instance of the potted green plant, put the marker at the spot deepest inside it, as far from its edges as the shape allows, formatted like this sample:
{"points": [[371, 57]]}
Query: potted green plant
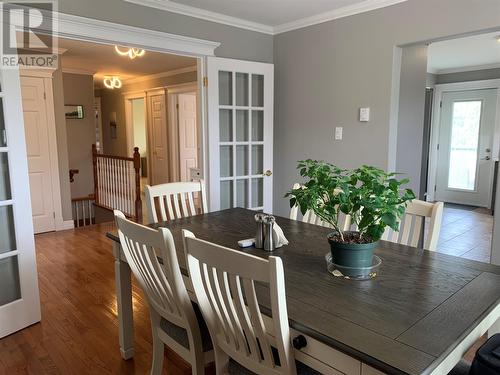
{"points": [[372, 197]]}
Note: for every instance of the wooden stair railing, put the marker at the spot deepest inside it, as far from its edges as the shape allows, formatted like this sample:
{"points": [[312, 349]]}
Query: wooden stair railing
{"points": [[83, 211], [117, 183]]}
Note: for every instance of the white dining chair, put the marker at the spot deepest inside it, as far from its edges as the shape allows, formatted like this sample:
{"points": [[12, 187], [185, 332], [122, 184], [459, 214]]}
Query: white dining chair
{"points": [[311, 218], [410, 227], [175, 321], [224, 281], [175, 200]]}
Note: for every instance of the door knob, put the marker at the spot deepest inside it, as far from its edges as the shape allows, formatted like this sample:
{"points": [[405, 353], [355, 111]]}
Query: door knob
{"points": [[268, 173], [486, 158]]}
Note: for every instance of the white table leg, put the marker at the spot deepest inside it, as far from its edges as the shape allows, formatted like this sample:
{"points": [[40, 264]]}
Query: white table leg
{"points": [[495, 328], [124, 304]]}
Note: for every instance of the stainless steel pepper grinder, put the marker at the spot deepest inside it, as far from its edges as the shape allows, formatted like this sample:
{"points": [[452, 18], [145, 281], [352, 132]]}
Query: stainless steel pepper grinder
{"points": [[269, 244], [259, 235]]}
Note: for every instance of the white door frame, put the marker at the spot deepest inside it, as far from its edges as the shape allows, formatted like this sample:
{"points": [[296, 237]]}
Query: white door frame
{"points": [[46, 75], [440, 89], [104, 32], [173, 121]]}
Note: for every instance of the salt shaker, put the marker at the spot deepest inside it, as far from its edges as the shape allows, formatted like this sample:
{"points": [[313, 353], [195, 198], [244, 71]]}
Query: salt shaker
{"points": [[269, 244], [259, 235]]}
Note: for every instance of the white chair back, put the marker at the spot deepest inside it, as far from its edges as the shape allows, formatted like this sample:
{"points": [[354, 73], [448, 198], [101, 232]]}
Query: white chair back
{"points": [[410, 228], [311, 218], [224, 284], [161, 282], [175, 200]]}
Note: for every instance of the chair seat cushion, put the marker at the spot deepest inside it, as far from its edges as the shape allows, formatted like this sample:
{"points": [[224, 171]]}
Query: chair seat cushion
{"points": [[236, 369], [180, 335]]}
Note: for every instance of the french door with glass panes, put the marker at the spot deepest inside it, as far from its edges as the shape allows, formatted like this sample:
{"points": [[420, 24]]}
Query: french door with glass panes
{"points": [[465, 159], [19, 299], [240, 134]]}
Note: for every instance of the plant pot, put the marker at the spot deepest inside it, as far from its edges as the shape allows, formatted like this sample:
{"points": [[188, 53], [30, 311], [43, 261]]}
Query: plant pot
{"points": [[352, 255]]}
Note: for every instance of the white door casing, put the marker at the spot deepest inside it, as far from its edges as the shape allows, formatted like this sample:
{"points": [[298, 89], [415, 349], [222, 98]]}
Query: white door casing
{"points": [[188, 134], [19, 296], [36, 126], [158, 137], [240, 134], [465, 153]]}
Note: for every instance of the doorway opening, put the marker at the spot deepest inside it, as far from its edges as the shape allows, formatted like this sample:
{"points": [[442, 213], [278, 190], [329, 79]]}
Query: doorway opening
{"points": [[457, 98], [76, 107]]}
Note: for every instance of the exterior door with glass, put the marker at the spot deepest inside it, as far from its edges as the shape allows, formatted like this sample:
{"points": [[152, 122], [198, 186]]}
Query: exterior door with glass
{"points": [[19, 299], [465, 165], [240, 134]]}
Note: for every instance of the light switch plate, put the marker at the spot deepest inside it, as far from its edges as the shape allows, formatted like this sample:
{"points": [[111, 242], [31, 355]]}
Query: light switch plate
{"points": [[338, 133], [364, 114]]}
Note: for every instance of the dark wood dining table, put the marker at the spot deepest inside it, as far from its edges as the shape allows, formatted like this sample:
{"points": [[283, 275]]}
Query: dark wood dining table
{"points": [[418, 316]]}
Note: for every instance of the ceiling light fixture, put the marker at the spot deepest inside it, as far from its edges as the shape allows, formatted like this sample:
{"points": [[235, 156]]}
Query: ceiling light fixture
{"points": [[132, 53], [112, 82]]}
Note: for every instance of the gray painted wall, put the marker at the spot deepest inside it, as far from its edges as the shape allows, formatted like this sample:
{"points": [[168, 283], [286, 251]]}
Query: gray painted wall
{"points": [[411, 113], [79, 89], [476, 75], [430, 80], [325, 72], [236, 43]]}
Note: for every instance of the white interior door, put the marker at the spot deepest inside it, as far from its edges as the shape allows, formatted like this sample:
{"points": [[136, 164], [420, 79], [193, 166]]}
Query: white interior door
{"points": [[19, 299], [465, 165], [38, 150], [240, 122], [188, 134], [158, 140]]}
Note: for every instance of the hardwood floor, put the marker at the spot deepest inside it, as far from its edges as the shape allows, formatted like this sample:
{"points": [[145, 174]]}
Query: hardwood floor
{"points": [[78, 333]]}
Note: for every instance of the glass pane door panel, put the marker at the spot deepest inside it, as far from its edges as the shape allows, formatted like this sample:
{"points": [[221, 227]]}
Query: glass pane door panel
{"points": [[257, 90], [466, 119], [241, 125], [7, 234], [226, 125], [10, 289], [242, 89], [3, 134], [5, 193], [226, 161], [257, 126], [226, 194], [242, 193], [225, 88], [241, 160], [257, 192], [257, 159]]}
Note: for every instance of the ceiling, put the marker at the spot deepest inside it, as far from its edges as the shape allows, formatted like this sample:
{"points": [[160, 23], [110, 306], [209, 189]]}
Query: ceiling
{"points": [[469, 53], [268, 16], [102, 60]]}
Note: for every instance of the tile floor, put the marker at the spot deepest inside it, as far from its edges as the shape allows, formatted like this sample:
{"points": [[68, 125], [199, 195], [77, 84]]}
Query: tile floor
{"points": [[466, 232]]}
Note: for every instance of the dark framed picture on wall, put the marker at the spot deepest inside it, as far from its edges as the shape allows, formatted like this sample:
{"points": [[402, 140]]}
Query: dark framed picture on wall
{"points": [[73, 111]]}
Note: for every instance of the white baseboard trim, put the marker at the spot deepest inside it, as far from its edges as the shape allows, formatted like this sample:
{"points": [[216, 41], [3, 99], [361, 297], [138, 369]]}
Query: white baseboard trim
{"points": [[65, 225]]}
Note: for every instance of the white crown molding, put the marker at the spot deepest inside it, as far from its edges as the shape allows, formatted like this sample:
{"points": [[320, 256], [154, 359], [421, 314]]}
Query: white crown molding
{"points": [[466, 69], [186, 10], [350, 10], [169, 73], [203, 14], [105, 32]]}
